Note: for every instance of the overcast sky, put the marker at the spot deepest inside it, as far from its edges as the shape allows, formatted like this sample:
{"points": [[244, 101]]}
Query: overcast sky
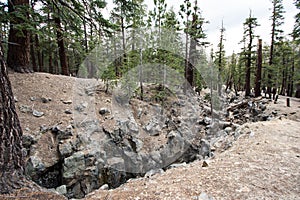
{"points": [[234, 13]]}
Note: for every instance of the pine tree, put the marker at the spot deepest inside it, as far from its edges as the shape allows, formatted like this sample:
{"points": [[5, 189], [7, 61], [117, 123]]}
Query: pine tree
{"points": [[249, 26], [195, 35], [19, 39], [257, 88], [296, 30], [11, 157], [220, 58], [277, 20]]}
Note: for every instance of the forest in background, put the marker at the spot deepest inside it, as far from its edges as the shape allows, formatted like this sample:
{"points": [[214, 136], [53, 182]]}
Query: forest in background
{"points": [[56, 36]]}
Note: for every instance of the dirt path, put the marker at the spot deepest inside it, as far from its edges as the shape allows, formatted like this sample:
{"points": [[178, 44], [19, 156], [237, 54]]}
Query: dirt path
{"points": [[263, 164]]}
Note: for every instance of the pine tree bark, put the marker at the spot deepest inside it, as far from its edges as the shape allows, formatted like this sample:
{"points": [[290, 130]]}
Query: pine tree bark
{"points": [[258, 70], [248, 67], [32, 52], [61, 46], [38, 52], [11, 158], [18, 56]]}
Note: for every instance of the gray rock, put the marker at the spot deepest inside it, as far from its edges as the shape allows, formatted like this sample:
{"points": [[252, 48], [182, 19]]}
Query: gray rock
{"points": [[37, 113], [205, 163], [32, 98], [81, 106], [103, 111], [274, 112], [25, 109], [68, 102], [153, 172], [104, 187], [62, 190], [204, 196], [69, 112], [228, 130], [16, 99], [65, 149], [44, 128], [28, 140], [34, 165], [45, 100], [133, 127], [207, 120], [205, 150], [74, 165], [262, 107], [176, 165], [153, 128]]}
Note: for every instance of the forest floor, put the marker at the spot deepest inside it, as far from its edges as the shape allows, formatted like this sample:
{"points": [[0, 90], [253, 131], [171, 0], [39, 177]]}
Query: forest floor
{"points": [[264, 163]]}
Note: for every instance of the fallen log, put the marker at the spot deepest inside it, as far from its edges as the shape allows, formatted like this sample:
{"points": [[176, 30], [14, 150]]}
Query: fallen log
{"points": [[242, 104]]}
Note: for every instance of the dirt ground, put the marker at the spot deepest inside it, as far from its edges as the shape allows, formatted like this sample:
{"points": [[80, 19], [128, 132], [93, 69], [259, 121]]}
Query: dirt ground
{"points": [[264, 163]]}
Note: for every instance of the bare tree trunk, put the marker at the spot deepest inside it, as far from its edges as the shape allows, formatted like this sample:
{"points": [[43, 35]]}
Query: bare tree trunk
{"points": [[258, 70], [18, 56], [61, 46], [51, 69], [32, 51], [11, 159], [38, 53]]}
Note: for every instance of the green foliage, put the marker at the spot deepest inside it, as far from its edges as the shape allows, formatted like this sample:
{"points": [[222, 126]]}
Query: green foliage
{"points": [[296, 30]]}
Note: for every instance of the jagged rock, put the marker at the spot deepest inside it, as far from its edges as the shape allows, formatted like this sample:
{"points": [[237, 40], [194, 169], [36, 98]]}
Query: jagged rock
{"points": [[28, 140], [44, 155], [62, 190], [205, 163], [34, 166], [228, 130], [153, 128], [37, 113], [205, 150], [62, 134], [65, 149], [73, 166]]}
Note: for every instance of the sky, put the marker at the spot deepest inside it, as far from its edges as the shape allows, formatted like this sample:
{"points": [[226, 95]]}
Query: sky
{"points": [[233, 13]]}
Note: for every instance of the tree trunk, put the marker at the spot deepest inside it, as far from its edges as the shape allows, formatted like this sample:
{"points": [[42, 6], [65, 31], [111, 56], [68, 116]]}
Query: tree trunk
{"points": [[32, 51], [18, 56], [61, 46], [11, 159], [269, 83], [51, 69], [38, 53], [258, 70]]}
